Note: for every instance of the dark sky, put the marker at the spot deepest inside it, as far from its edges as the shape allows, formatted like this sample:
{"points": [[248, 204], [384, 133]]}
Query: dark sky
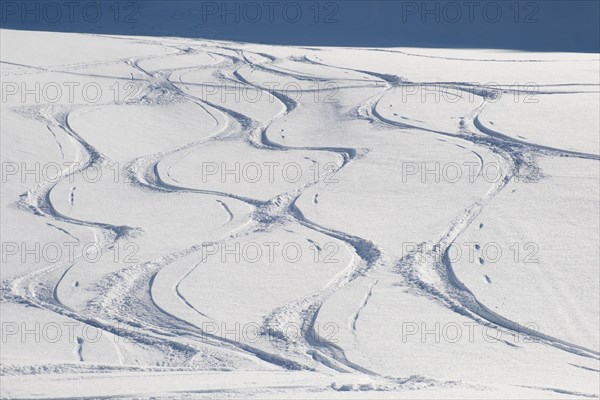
{"points": [[546, 25]]}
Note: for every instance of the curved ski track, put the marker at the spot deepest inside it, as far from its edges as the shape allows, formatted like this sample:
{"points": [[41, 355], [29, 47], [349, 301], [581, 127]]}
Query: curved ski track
{"points": [[36, 289]]}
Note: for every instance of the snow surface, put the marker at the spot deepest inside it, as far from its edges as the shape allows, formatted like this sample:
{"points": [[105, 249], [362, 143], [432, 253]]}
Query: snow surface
{"points": [[373, 305]]}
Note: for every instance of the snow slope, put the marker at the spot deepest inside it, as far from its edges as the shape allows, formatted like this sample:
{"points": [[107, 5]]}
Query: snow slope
{"points": [[286, 222]]}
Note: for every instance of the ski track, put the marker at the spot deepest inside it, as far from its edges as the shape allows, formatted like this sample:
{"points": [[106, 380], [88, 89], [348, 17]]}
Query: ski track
{"points": [[231, 125], [362, 306]]}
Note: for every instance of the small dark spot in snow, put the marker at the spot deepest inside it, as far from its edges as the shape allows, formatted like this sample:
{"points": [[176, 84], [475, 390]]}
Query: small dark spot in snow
{"points": [[314, 244]]}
